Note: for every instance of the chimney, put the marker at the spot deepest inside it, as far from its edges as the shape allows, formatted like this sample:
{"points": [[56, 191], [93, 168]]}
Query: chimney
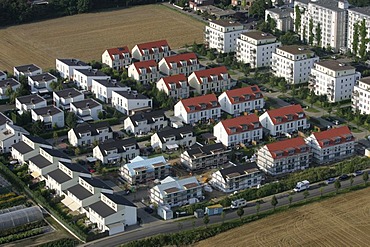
{"points": [[32, 101], [29, 68], [70, 94], [49, 112], [88, 105]]}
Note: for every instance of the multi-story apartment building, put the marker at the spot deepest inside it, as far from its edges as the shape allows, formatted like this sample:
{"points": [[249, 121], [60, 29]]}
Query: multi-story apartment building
{"points": [[171, 138], [27, 70], [102, 89], [155, 50], [175, 192], [361, 96], [334, 79], [86, 110], [65, 97], [238, 131], [240, 100], [175, 86], [142, 170], [256, 48], [358, 15], [185, 63], [117, 58], [113, 151], [83, 77], [202, 108], [50, 116], [222, 35], [203, 156], [282, 16], [293, 62], [237, 177], [145, 72], [8, 84], [87, 134], [211, 80], [65, 66], [142, 123], [41, 83], [331, 145], [284, 156], [129, 102], [283, 120], [330, 15]]}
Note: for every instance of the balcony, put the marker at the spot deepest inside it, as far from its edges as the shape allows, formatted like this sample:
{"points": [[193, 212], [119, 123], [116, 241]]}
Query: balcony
{"points": [[253, 51]]}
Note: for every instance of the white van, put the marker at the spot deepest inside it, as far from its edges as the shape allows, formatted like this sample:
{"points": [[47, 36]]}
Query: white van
{"points": [[303, 185], [239, 203]]}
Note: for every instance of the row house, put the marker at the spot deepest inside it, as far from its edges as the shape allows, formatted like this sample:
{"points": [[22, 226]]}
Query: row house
{"points": [[331, 145], [357, 16], [10, 134], [117, 58], [65, 97], [205, 156], [240, 100], [175, 192], [29, 102], [8, 85], [283, 17], [284, 120], [50, 116], [103, 89], [175, 86], [284, 156], [129, 102], [172, 138], [293, 63], [112, 151], [185, 63], [66, 66], [26, 70], [202, 108], [41, 83], [155, 50], [211, 80], [238, 131], [142, 123], [3, 75], [334, 79], [142, 170], [144, 72], [361, 96], [86, 110], [195, 4], [88, 134], [237, 177], [83, 77]]}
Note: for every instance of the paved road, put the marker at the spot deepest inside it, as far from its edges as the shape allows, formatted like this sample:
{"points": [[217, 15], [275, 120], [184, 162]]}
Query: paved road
{"points": [[155, 227]]}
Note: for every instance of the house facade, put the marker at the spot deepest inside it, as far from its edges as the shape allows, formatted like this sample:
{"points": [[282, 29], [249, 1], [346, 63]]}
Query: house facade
{"points": [[86, 110], [155, 50], [29, 102], [26, 70], [171, 138], [10, 135], [41, 83], [28, 147], [50, 116], [103, 89], [175, 86], [6, 85], [113, 151], [65, 66], [358, 15], [83, 77], [185, 63], [283, 17], [117, 58], [87, 134], [361, 96], [65, 97], [128, 102], [144, 72], [142, 123]]}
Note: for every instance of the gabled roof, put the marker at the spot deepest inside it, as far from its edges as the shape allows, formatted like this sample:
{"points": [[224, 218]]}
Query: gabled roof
{"points": [[146, 116], [30, 99], [147, 164], [27, 68], [59, 176], [334, 136], [121, 51], [55, 153], [239, 170], [145, 65], [47, 110], [282, 148], [69, 92], [150, 45], [198, 151], [91, 72], [9, 82], [241, 124], [111, 144], [176, 132], [178, 59], [92, 128], [102, 209], [200, 103], [72, 62], [285, 112], [40, 161], [208, 73], [43, 77], [239, 95], [170, 185], [86, 104], [175, 79], [119, 199], [80, 192]]}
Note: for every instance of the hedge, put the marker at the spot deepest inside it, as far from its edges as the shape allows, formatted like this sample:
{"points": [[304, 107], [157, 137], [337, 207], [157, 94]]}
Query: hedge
{"points": [[14, 201], [110, 121], [19, 236], [64, 242], [49, 135], [23, 228]]}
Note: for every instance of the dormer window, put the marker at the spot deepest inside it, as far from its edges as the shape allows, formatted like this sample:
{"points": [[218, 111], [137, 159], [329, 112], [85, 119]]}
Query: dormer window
{"points": [[247, 96], [337, 140], [291, 151], [258, 95], [244, 127], [155, 49], [300, 114], [214, 103], [232, 129], [192, 108], [236, 99], [183, 63], [279, 154], [326, 143], [278, 119], [214, 77], [349, 138], [256, 125], [303, 149], [143, 71], [289, 117], [146, 52], [203, 106], [225, 76]]}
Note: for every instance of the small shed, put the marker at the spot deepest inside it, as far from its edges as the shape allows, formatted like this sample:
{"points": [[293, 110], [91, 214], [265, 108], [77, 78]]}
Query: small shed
{"points": [[199, 213], [165, 212], [214, 209]]}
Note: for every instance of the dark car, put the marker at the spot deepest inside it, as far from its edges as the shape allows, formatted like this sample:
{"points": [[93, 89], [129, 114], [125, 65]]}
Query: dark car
{"points": [[330, 180], [358, 173], [149, 210], [343, 177]]}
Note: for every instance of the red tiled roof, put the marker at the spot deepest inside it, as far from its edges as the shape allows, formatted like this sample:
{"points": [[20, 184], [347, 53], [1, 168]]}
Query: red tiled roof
{"points": [[240, 94], [181, 57], [283, 113], [196, 103], [285, 146], [174, 79], [211, 72], [155, 44], [332, 135], [241, 124], [118, 51], [145, 64]]}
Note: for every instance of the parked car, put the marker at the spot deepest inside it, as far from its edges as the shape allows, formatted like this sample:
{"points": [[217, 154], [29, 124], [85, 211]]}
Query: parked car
{"points": [[149, 210], [343, 177], [358, 173], [330, 180]]}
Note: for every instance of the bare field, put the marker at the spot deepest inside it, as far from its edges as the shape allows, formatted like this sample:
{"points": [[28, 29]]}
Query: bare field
{"points": [[86, 36], [340, 221]]}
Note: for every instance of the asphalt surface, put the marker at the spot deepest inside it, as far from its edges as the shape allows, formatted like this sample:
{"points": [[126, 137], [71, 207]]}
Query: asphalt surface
{"points": [[157, 227]]}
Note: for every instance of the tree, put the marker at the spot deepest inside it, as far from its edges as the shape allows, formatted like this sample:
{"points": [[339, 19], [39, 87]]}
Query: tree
{"points": [[330, 110], [351, 180], [318, 34], [258, 7], [306, 193], [304, 35], [355, 40], [274, 202], [321, 191], [290, 198], [258, 208], [101, 115], [98, 166], [337, 185], [71, 120], [77, 151], [365, 177], [240, 212], [83, 6], [311, 36], [193, 223], [223, 215], [38, 127], [364, 40], [297, 23], [55, 137], [206, 220]]}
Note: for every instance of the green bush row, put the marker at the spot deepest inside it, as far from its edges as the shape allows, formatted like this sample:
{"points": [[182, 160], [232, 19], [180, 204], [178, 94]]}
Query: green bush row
{"points": [[6, 196], [49, 135], [23, 228], [64, 242], [11, 202], [19, 236]]}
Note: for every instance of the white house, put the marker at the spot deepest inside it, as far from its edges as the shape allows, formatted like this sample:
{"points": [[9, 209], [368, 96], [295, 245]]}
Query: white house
{"points": [[87, 134], [202, 108], [293, 62], [155, 50], [204, 156], [83, 77], [358, 15], [256, 48], [86, 110], [237, 177], [175, 86], [3, 75], [117, 58], [10, 135], [65, 66], [65, 97], [129, 102], [334, 79], [211, 80], [29, 102], [142, 170], [145, 72], [331, 145], [50, 116], [361, 96], [171, 138], [112, 213], [240, 100], [176, 192], [222, 35], [284, 156], [185, 63], [283, 120], [142, 123], [41, 83], [102, 89], [27, 70], [8, 84], [283, 16], [239, 130], [113, 151]]}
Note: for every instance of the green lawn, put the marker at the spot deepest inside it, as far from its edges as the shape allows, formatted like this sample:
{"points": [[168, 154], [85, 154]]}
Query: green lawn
{"points": [[311, 109]]}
